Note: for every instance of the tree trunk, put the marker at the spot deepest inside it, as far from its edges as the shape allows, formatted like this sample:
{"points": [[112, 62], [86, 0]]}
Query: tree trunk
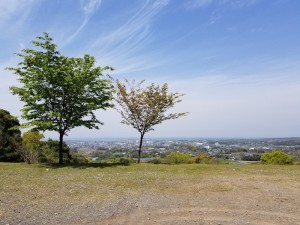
{"points": [[140, 148], [60, 150]]}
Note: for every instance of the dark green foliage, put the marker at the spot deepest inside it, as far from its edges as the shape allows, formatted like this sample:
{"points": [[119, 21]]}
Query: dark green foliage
{"points": [[135, 154], [10, 137], [125, 161], [155, 161], [77, 158], [276, 157], [50, 152], [122, 161], [178, 158], [60, 92]]}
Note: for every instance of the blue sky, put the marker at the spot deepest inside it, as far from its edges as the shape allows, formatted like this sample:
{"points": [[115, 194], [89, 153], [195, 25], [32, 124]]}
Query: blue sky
{"points": [[236, 61]]}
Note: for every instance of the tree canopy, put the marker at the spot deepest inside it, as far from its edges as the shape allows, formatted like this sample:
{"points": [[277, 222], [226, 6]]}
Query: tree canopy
{"points": [[145, 107], [60, 92], [10, 137]]}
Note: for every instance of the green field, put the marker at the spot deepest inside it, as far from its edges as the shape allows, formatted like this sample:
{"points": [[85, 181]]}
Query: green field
{"points": [[29, 193]]}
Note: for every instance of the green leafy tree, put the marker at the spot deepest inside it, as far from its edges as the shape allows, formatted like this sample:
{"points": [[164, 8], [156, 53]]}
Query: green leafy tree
{"points": [[143, 108], [31, 146], [60, 92], [10, 137]]}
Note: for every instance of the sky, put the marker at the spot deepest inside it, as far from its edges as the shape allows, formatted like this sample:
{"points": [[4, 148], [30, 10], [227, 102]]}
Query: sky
{"points": [[237, 62]]}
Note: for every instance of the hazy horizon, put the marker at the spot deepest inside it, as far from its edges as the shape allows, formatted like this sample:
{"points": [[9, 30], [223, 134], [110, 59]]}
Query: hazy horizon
{"points": [[173, 138]]}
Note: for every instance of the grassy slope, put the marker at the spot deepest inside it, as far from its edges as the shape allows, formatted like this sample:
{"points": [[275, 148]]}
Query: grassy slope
{"points": [[35, 186], [85, 182]]}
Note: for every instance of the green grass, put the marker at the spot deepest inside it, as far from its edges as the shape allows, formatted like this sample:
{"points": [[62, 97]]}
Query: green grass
{"points": [[88, 192], [86, 182]]}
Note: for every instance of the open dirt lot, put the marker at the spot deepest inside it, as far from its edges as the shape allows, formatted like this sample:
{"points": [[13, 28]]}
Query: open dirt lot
{"points": [[150, 194]]}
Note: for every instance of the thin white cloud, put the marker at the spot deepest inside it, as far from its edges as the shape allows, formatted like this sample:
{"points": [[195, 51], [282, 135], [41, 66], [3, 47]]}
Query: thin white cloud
{"points": [[138, 22], [218, 11], [9, 7], [240, 3], [215, 17], [195, 4], [121, 47], [14, 11], [89, 7]]}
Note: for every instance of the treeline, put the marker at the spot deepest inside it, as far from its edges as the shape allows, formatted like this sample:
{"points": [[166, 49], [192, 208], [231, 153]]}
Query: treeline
{"points": [[29, 147]]}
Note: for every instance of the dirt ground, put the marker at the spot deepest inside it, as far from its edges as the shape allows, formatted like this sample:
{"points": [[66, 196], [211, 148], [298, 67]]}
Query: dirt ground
{"points": [[235, 200], [224, 198]]}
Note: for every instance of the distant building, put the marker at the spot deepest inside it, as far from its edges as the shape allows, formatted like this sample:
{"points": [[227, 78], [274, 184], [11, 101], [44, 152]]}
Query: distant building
{"points": [[198, 143], [217, 144]]}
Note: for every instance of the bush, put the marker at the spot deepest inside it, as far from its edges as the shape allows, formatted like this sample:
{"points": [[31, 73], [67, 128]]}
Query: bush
{"points": [[179, 158], [202, 158], [123, 161], [47, 155], [49, 152], [77, 158], [155, 161], [276, 157]]}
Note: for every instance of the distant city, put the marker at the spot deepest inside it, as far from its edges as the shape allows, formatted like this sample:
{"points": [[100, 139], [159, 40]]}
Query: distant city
{"points": [[230, 149]]}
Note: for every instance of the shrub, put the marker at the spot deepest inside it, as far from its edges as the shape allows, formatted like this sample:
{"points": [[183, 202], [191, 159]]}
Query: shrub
{"points": [[276, 157], [155, 161], [202, 158], [178, 158], [49, 152], [123, 161], [77, 158], [47, 155]]}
